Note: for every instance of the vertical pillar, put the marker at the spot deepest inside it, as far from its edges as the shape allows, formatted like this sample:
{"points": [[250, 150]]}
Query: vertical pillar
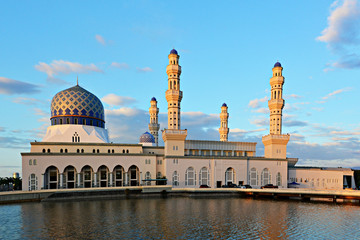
{"points": [[44, 181], [141, 179], [61, 180], [126, 179], [111, 179], [78, 179], [95, 179]]}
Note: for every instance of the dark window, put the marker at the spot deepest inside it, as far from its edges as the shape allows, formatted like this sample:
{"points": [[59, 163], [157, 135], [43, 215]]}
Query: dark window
{"points": [[127, 151], [48, 150], [76, 121], [98, 151], [84, 121], [65, 150], [93, 150], [61, 150], [91, 122], [82, 150], [108, 150], [60, 121], [44, 150], [113, 151], [78, 150], [67, 121]]}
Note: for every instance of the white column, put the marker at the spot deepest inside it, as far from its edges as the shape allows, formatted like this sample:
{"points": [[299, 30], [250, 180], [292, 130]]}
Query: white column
{"points": [[78, 179], [111, 179], [222, 153], [141, 182], [199, 152], [44, 181], [233, 153], [61, 180], [211, 153], [95, 179], [126, 179]]}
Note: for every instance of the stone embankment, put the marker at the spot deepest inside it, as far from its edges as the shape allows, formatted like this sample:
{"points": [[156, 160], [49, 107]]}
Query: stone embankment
{"points": [[168, 191]]}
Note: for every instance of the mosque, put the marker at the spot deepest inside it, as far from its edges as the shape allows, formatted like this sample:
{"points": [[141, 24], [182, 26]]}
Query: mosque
{"points": [[76, 151]]}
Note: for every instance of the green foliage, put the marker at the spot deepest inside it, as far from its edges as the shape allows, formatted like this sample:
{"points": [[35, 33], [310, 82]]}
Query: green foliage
{"points": [[6, 182]]}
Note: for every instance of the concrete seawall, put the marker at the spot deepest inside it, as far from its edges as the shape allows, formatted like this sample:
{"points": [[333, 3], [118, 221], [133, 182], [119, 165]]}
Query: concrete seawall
{"points": [[168, 191]]}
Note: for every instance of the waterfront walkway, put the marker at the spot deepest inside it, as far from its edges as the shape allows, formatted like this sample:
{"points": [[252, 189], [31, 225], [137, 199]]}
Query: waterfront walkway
{"points": [[168, 191]]}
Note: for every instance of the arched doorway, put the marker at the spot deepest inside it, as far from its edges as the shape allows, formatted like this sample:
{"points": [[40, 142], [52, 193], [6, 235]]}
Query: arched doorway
{"points": [[87, 173], [119, 176], [229, 176], [103, 173], [70, 176], [52, 177], [190, 177], [265, 177], [134, 175]]}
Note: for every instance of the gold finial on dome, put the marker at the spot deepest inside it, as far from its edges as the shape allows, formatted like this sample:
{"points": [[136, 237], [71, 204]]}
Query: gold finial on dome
{"points": [[77, 80]]}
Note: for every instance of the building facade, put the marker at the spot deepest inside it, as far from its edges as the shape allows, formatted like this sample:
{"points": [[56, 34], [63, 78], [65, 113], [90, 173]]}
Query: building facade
{"points": [[76, 151]]}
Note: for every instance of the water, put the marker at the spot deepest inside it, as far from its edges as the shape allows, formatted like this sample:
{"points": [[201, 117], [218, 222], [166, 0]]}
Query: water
{"points": [[179, 218]]}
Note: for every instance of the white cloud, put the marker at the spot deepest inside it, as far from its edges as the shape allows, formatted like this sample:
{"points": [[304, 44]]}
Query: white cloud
{"points": [[292, 96], [120, 65], [343, 24], [100, 39], [115, 100], [28, 101], [58, 67], [10, 86], [336, 92], [145, 69], [256, 102], [124, 111]]}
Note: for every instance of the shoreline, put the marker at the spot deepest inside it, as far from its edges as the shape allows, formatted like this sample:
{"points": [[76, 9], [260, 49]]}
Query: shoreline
{"points": [[53, 195]]}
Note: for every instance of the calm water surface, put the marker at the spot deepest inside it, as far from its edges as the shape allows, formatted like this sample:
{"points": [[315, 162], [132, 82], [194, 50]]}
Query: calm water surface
{"points": [[179, 218]]}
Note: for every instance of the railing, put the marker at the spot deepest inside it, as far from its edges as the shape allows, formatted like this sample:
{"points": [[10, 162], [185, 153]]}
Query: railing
{"points": [[175, 131], [277, 136], [173, 92]]}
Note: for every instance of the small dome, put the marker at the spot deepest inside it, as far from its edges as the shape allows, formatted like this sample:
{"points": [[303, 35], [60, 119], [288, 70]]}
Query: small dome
{"points": [[173, 52], [153, 99], [277, 64], [147, 138], [224, 105]]}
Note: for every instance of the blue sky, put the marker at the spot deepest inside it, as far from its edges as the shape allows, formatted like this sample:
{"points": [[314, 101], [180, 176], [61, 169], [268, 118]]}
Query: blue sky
{"points": [[227, 50]]}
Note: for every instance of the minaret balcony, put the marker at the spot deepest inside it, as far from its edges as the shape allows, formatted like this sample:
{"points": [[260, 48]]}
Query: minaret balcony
{"points": [[173, 95], [173, 69], [276, 103]]}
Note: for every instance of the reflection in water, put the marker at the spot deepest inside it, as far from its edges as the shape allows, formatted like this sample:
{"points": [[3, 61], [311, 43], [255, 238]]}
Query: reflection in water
{"points": [[183, 218]]}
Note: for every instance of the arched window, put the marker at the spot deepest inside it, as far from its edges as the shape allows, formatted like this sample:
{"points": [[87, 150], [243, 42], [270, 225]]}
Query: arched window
{"points": [[265, 177], [93, 150], [67, 121], [82, 150], [158, 175], [44, 150], [33, 182], [275, 95], [123, 150], [147, 177], [113, 151], [61, 150], [175, 179], [98, 151], [253, 177], [55, 122], [127, 151], [61, 122], [229, 176], [278, 179], [30, 162], [91, 122], [190, 177], [78, 150], [34, 162], [108, 150], [204, 176], [65, 150], [84, 121], [48, 150], [75, 121]]}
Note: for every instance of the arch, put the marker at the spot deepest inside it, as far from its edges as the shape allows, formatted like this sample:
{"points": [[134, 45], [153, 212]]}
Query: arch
{"points": [[33, 182], [30, 162], [44, 151], [70, 176], [103, 176], [265, 177], [253, 177], [175, 179], [278, 179], [134, 175], [86, 176], [119, 176], [48, 150], [204, 176], [229, 176], [34, 162], [147, 177], [61, 150], [52, 177], [190, 177]]}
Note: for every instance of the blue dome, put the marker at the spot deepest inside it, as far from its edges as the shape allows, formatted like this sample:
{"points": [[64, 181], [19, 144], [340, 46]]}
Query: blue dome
{"points": [[76, 105], [147, 138], [173, 52], [277, 64], [224, 105], [153, 99]]}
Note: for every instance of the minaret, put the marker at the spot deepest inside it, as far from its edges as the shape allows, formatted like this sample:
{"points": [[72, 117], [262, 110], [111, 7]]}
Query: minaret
{"points": [[173, 137], [173, 94], [154, 126], [224, 130], [275, 143]]}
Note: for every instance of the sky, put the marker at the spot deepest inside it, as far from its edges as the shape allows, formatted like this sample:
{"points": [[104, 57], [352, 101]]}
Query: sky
{"points": [[119, 49]]}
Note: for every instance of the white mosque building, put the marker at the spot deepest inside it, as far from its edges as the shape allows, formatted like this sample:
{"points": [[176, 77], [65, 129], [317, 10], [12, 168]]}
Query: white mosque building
{"points": [[76, 151]]}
